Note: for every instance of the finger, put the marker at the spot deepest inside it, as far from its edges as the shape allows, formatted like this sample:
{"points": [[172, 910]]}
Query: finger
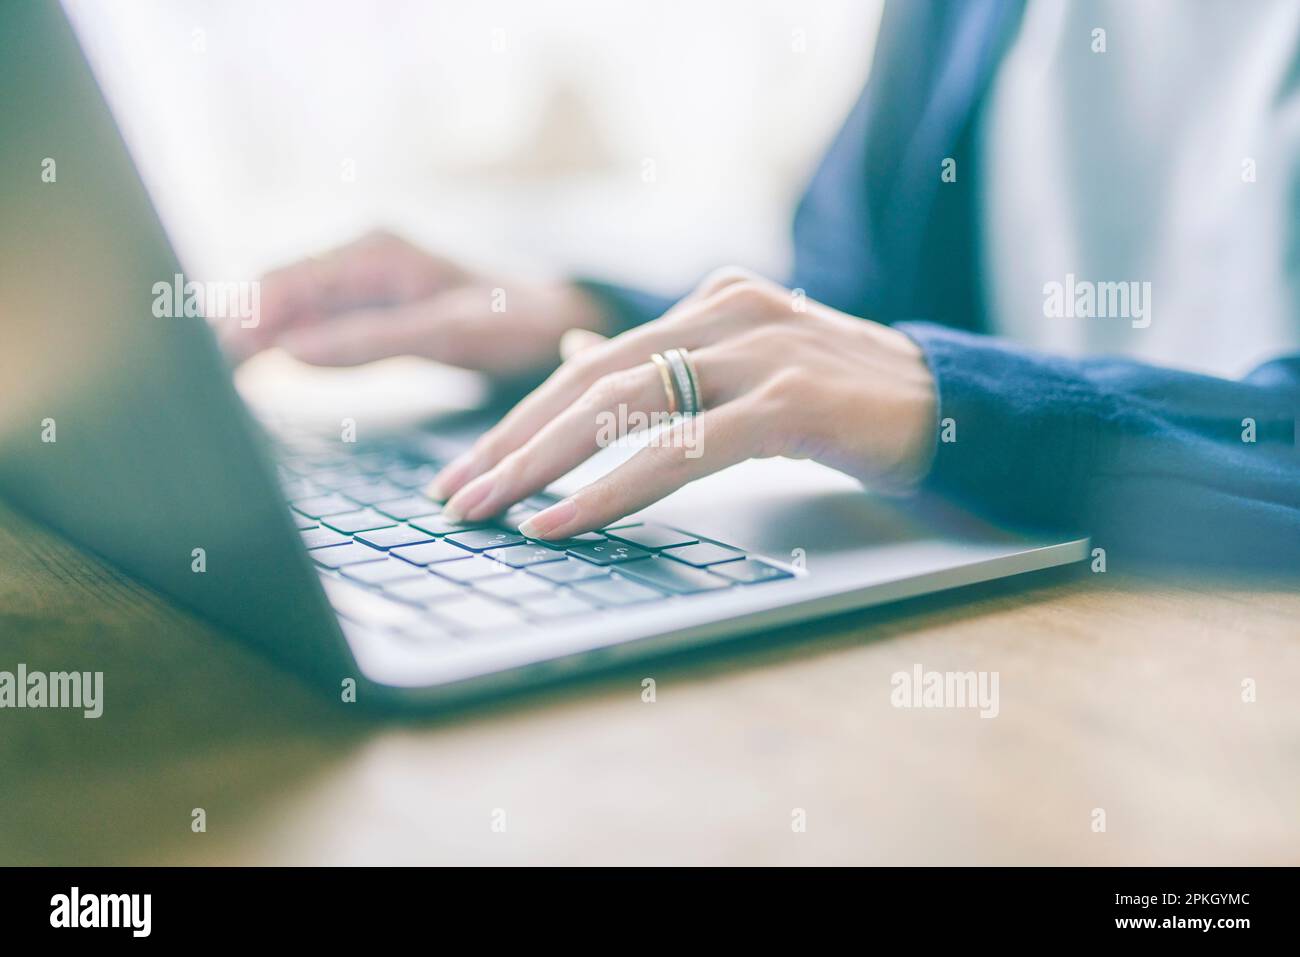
{"points": [[705, 322], [285, 299], [356, 337], [302, 293], [576, 340], [564, 442], [430, 328], [722, 437], [376, 269], [600, 417]]}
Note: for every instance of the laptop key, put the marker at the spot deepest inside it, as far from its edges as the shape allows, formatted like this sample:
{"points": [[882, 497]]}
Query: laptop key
{"points": [[516, 587], [319, 537], [429, 553], [288, 470], [523, 556], [394, 536], [437, 525], [319, 506], [370, 491], [359, 521], [476, 614], [380, 573], [408, 506], [472, 570], [615, 591], [365, 606], [516, 517], [560, 544], [318, 463], [302, 522], [481, 539], [750, 571], [607, 552], [335, 479], [674, 576], [653, 537], [561, 605], [336, 556], [416, 477], [424, 590], [568, 570], [298, 488], [372, 462], [703, 554]]}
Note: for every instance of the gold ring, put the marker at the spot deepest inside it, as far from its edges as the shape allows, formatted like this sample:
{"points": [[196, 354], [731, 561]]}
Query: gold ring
{"points": [[667, 376]]}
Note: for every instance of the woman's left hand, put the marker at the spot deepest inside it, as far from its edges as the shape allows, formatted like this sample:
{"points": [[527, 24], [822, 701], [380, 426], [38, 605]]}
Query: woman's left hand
{"points": [[778, 375]]}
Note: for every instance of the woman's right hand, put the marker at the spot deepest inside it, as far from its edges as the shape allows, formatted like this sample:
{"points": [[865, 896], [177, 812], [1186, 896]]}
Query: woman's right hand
{"points": [[381, 296]]}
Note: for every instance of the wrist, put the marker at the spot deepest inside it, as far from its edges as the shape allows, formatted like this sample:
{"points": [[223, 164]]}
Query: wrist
{"points": [[918, 415]]}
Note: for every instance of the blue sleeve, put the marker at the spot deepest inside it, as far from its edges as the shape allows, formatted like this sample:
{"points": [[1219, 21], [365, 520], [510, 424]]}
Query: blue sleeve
{"points": [[1151, 462], [836, 259]]}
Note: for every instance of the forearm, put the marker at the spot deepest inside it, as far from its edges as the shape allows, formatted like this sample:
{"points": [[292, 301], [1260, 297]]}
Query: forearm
{"points": [[1149, 461]]}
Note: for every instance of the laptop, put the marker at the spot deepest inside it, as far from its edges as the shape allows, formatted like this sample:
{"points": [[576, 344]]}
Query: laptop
{"points": [[124, 433]]}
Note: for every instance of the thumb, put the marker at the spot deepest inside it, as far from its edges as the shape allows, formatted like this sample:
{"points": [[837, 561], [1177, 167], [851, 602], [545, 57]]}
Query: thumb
{"points": [[363, 335]]}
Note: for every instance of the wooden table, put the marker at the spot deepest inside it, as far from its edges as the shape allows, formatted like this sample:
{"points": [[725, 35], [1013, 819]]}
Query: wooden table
{"points": [[1120, 691]]}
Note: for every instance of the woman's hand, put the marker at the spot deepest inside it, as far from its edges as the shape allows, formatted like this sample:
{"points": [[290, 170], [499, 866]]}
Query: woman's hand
{"points": [[381, 296], [779, 375]]}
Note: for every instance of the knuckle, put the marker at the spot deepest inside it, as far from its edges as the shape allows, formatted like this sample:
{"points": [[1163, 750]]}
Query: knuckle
{"points": [[582, 367], [766, 337], [744, 294], [777, 405], [597, 358], [608, 389], [721, 278], [785, 386], [797, 335]]}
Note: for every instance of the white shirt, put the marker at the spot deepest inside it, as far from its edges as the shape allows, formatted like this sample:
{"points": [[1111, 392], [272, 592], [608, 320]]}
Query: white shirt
{"points": [[1172, 158]]}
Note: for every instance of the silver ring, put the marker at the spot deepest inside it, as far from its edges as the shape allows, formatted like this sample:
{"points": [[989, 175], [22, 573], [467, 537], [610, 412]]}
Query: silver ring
{"points": [[688, 387]]}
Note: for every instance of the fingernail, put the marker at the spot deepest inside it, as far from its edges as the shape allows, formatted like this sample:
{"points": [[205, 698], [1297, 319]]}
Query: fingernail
{"points": [[446, 482], [468, 498], [550, 520]]}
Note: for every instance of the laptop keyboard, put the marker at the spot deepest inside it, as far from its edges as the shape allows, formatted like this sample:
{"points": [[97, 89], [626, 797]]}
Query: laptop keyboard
{"points": [[389, 560]]}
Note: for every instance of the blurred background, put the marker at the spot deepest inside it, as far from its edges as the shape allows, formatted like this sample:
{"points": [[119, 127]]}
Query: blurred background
{"points": [[643, 140], [646, 141]]}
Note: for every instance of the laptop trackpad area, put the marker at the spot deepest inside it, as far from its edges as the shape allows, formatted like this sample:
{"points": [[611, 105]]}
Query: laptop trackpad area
{"points": [[797, 511]]}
